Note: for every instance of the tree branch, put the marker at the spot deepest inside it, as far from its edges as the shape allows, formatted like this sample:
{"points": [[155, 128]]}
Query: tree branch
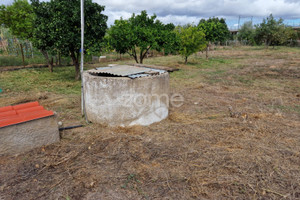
{"points": [[146, 51]]}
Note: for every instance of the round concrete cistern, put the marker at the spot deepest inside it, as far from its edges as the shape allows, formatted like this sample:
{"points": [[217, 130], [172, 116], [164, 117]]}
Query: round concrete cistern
{"points": [[123, 101]]}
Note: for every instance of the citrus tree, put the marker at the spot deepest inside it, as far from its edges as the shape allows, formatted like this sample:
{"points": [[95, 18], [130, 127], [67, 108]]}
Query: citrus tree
{"points": [[215, 30], [57, 27], [18, 17], [247, 32], [191, 40], [140, 33]]}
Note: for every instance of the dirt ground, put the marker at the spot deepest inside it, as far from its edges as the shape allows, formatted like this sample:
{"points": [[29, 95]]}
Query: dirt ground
{"points": [[204, 150]]}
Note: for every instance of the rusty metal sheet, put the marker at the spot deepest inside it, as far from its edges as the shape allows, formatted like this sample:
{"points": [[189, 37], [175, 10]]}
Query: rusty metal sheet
{"points": [[168, 69], [121, 70], [129, 71]]}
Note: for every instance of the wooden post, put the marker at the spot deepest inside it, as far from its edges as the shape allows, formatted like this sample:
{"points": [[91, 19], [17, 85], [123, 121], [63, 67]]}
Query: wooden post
{"points": [[23, 59], [59, 58], [31, 48]]}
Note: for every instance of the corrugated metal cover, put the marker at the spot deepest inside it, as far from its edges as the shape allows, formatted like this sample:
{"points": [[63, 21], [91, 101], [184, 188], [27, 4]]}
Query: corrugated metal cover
{"points": [[122, 70], [126, 71]]}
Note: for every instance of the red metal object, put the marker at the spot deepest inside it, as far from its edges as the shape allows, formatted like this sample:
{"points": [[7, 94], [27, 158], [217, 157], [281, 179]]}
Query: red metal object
{"points": [[11, 115]]}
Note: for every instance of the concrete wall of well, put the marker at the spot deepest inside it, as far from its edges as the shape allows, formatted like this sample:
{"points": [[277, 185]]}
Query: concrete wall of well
{"points": [[121, 101]]}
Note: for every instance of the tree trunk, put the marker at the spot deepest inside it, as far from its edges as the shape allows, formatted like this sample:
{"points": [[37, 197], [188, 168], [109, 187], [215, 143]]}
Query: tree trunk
{"points": [[77, 71], [50, 65], [185, 60], [133, 54], [51, 62], [141, 57], [23, 59], [76, 65], [268, 42], [207, 49], [56, 60], [59, 58]]}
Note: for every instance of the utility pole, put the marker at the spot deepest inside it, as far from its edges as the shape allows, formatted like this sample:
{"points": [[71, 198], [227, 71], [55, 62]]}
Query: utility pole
{"points": [[82, 59], [82, 35], [239, 22]]}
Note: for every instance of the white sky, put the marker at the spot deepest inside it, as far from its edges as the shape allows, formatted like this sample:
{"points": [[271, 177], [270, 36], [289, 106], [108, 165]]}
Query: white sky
{"points": [[189, 11]]}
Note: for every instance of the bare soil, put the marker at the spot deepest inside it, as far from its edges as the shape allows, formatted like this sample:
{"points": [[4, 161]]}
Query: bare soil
{"points": [[202, 151]]}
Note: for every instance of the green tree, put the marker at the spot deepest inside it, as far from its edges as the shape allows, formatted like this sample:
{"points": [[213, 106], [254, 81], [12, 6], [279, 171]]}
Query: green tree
{"points": [[291, 36], [18, 17], [273, 32], [215, 30], [3, 15], [247, 33], [140, 33], [192, 40], [57, 27], [41, 34]]}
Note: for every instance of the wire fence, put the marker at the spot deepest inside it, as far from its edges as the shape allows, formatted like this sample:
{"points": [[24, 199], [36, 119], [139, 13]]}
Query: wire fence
{"points": [[10, 45], [235, 24]]}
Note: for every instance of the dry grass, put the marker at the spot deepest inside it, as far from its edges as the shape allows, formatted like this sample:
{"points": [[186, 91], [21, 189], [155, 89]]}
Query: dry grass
{"points": [[199, 152]]}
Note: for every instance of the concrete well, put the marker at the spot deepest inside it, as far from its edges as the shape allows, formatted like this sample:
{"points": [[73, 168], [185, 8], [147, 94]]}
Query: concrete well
{"points": [[122, 101]]}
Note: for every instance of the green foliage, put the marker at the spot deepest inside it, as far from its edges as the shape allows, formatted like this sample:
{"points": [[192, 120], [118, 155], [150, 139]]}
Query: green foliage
{"points": [[273, 32], [4, 32], [139, 34], [247, 33], [2, 14], [41, 33], [291, 36], [57, 27], [192, 40], [215, 29], [121, 38], [18, 17]]}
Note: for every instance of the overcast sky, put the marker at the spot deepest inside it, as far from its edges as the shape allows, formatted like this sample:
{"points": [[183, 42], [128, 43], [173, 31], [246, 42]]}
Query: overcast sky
{"points": [[189, 11]]}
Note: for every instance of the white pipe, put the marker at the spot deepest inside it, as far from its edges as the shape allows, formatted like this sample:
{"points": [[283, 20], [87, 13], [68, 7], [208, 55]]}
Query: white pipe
{"points": [[82, 59], [82, 34]]}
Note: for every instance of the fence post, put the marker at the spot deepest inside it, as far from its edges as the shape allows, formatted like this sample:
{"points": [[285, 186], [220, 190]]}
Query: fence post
{"points": [[31, 49], [21, 46]]}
